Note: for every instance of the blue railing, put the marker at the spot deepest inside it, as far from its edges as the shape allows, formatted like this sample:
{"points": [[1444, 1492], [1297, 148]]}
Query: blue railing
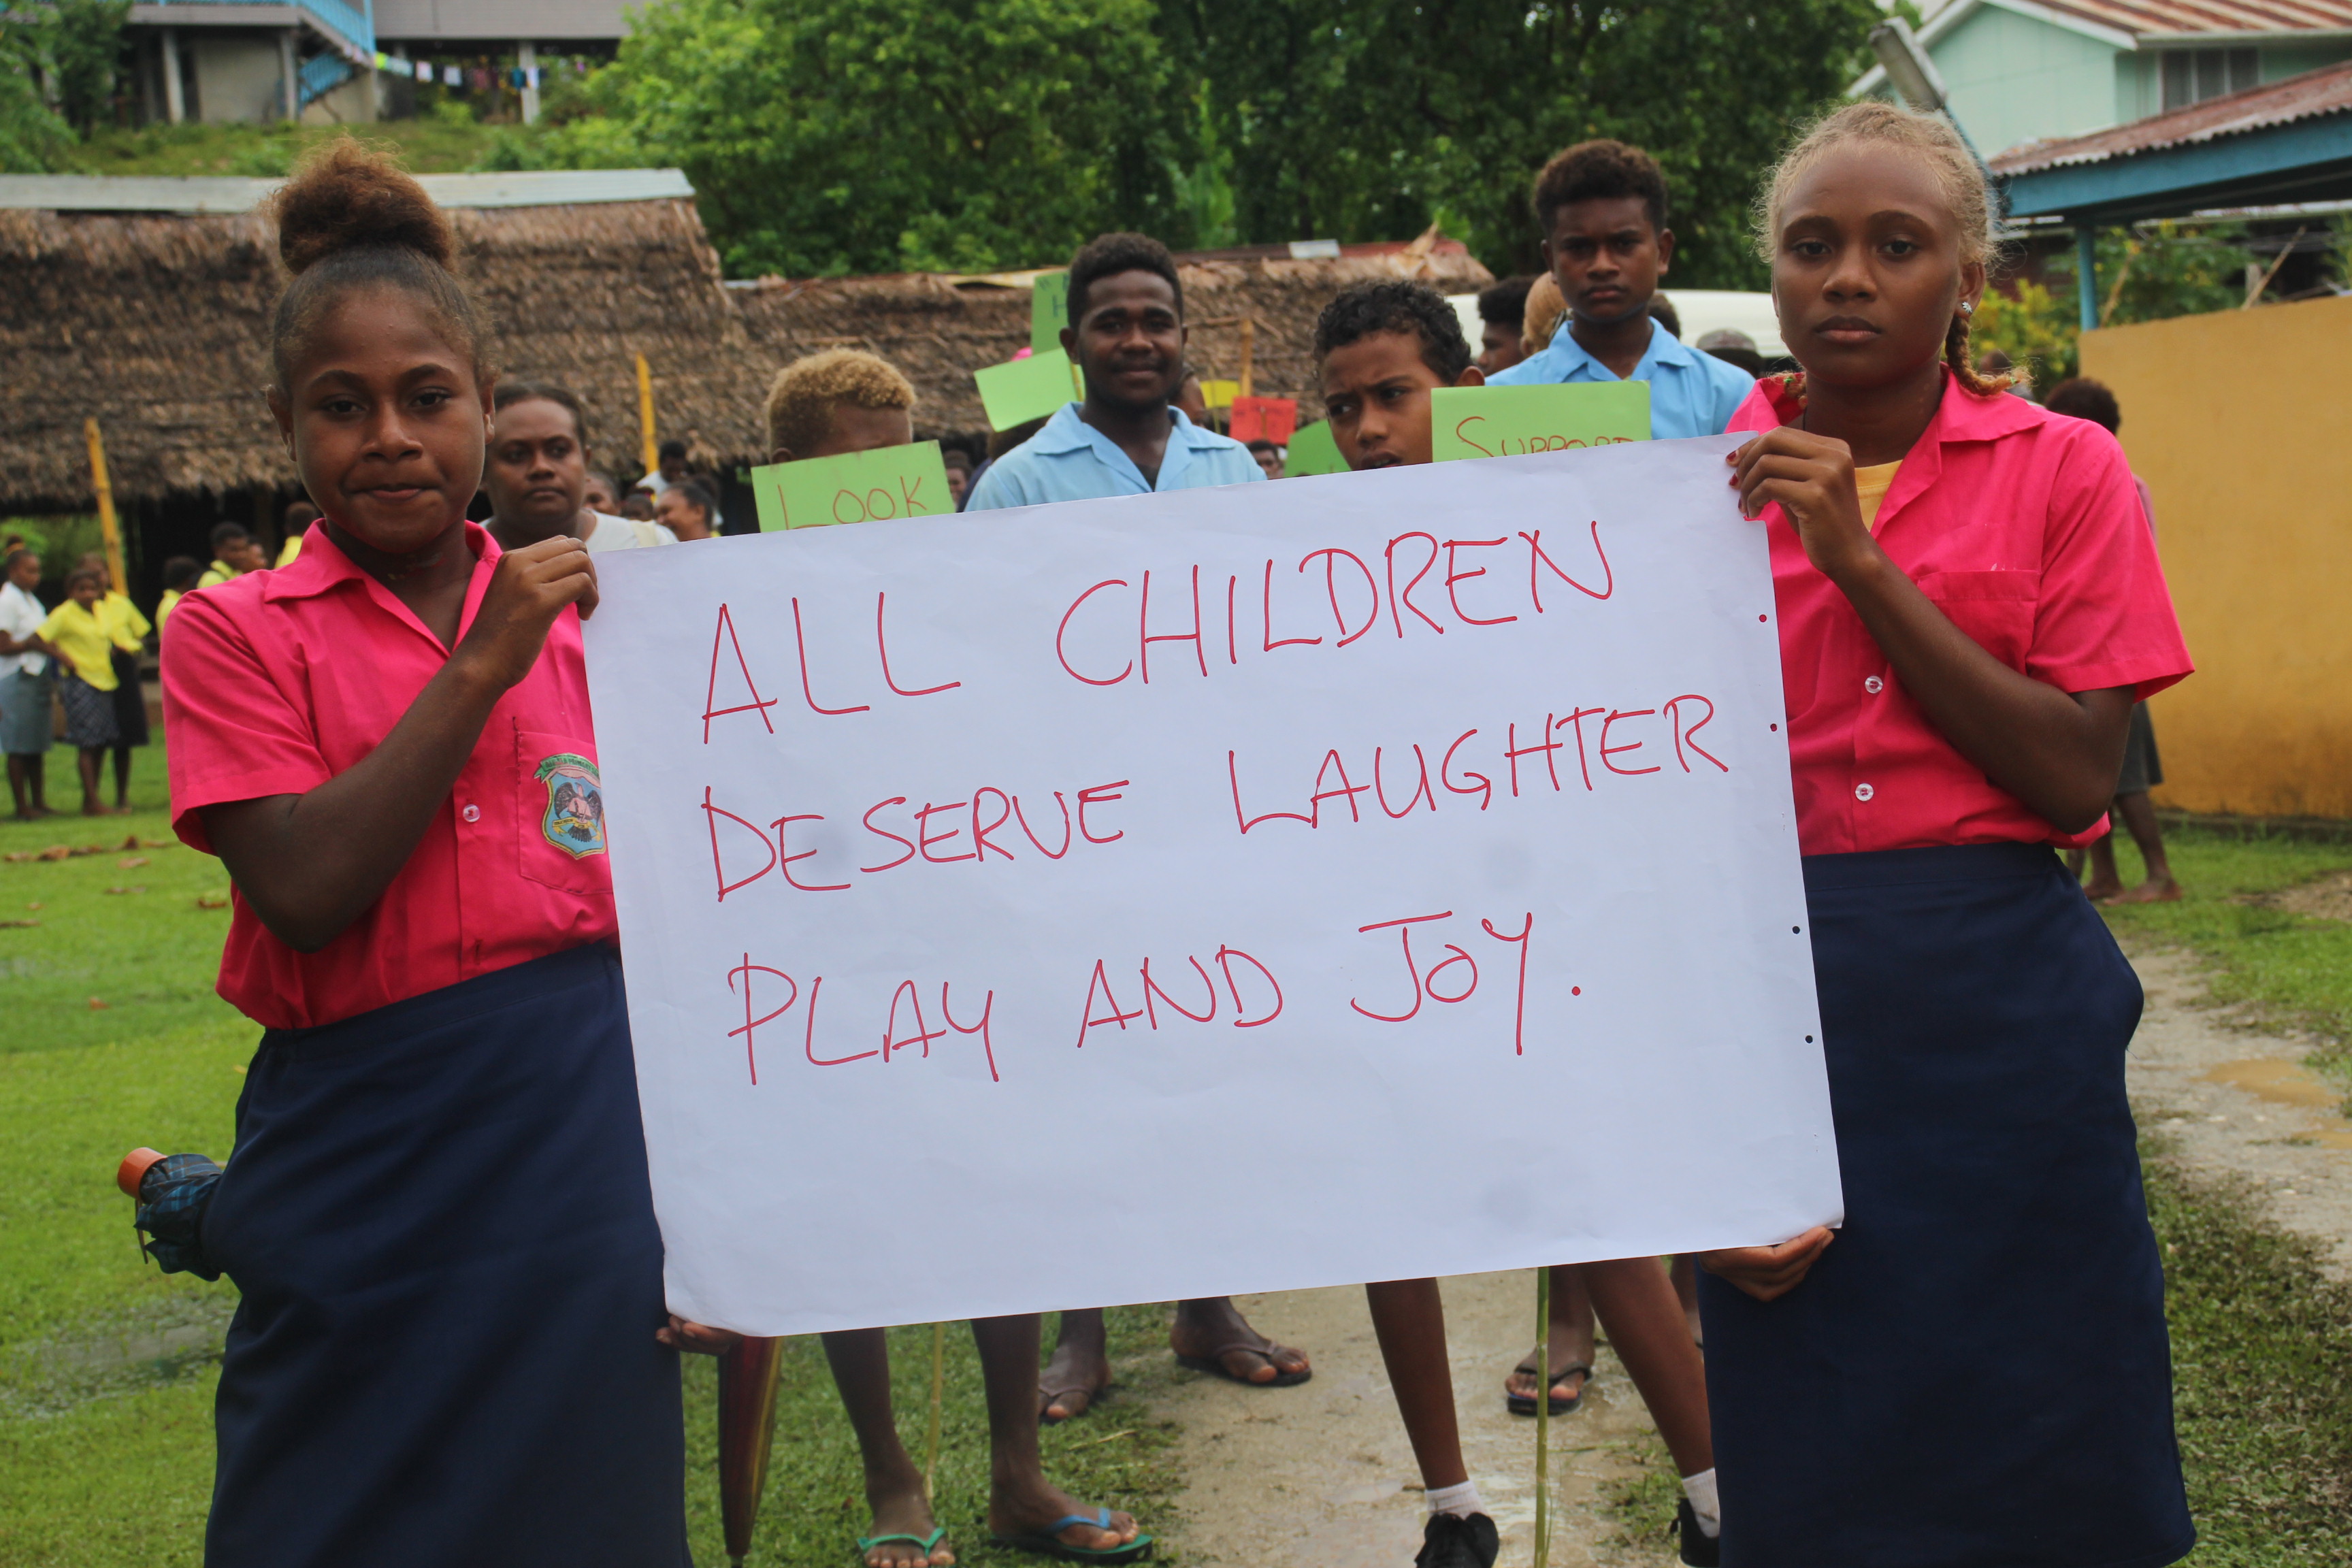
{"points": [[354, 26], [321, 74]]}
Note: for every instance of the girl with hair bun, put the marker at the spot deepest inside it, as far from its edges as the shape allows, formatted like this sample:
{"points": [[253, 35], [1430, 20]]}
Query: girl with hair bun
{"points": [[452, 1347], [1975, 1373]]}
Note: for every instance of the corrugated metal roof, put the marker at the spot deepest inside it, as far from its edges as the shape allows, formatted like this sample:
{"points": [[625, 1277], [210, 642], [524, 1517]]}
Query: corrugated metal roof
{"points": [[543, 21], [529, 188], [2165, 18], [2168, 17], [2328, 90]]}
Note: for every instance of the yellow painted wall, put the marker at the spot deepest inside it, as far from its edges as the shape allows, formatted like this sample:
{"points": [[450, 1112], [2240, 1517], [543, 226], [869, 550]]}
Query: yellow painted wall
{"points": [[2241, 422]]}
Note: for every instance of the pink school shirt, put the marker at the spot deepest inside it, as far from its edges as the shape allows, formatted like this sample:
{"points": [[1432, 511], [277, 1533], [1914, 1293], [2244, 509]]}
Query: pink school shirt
{"points": [[280, 680], [2023, 527]]}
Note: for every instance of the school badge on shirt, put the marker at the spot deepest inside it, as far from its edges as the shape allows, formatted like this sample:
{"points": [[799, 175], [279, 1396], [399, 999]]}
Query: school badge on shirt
{"points": [[574, 819]]}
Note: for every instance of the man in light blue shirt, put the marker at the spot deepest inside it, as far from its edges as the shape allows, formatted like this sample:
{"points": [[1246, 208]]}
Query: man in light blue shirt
{"points": [[1126, 337], [1603, 205]]}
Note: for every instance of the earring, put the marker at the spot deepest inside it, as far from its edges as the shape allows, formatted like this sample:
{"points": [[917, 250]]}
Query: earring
{"points": [[1968, 307]]}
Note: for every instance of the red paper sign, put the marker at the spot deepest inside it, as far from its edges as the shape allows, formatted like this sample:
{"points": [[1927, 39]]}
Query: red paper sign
{"points": [[1265, 419]]}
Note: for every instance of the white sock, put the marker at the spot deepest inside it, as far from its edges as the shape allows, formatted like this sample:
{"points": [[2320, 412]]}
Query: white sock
{"points": [[1700, 1489], [1464, 1500]]}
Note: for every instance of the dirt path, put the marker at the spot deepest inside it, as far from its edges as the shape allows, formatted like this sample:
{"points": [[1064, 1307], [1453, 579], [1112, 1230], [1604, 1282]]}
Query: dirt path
{"points": [[2240, 1100], [1321, 1475]]}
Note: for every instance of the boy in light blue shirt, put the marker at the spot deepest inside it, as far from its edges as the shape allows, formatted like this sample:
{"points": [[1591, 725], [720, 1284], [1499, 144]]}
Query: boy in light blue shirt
{"points": [[1126, 337], [1602, 206]]}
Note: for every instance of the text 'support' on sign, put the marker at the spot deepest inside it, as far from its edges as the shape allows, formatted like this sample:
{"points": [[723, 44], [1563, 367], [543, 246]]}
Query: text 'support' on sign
{"points": [[1211, 891]]}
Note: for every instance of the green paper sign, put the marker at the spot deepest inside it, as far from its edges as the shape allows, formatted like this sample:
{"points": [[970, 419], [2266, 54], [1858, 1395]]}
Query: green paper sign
{"points": [[1049, 311], [1025, 389], [857, 487], [1507, 421], [1312, 450]]}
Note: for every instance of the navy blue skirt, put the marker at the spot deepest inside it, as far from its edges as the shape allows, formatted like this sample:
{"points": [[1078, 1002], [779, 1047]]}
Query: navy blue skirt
{"points": [[1975, 1375], [439, 1217]]}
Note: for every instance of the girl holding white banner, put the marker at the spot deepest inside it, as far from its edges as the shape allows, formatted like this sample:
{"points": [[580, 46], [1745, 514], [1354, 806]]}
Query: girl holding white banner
{"points": [[452, 1346], [1977, 1370]]}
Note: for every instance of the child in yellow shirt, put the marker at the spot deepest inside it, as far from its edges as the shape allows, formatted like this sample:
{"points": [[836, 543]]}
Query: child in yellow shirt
{"points": [[78, 636], [128, 629]]}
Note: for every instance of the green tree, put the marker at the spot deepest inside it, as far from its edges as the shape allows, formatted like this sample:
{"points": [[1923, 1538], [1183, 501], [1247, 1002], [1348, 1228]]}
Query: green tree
{"points": [[33, 139], [2149, 272], [1357, 119], [84, 46], [840, 136]]}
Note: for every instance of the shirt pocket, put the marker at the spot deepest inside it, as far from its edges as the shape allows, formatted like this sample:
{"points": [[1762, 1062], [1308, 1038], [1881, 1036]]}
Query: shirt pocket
{"points": [[560, 812], [1996, 609]]}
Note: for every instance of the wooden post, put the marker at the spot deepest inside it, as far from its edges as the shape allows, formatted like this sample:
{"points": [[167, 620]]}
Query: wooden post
{"points": [[1249, 344], [107, 527], [939, 1396], [646, 413], [1543, 1418]]}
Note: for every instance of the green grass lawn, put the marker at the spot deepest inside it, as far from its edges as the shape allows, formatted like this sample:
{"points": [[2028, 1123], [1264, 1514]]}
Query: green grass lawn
{"points": [[427, 146], [2296, 969]]}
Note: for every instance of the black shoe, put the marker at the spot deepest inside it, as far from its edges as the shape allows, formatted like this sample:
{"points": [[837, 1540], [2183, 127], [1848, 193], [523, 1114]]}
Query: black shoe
{"points": [[1700, 1549], [1450, 1543]]}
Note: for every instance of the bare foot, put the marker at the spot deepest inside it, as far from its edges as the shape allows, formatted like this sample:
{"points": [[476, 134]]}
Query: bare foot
{"points": [[2099, 890], [1024, 1508], [902, 1511], [2155, 890], [1079, 1370], [1213, 1328]]}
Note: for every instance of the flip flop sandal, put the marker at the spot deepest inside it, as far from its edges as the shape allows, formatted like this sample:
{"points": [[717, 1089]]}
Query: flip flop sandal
{"points": [[1214, 1363], [1049, 1541], [1095, 1396], [1525, 1403], [925, 1544]]}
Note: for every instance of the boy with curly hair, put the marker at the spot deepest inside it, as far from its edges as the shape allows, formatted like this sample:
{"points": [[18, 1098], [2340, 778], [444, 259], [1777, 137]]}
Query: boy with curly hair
{"points": [[837, 402], [1602, 209]]}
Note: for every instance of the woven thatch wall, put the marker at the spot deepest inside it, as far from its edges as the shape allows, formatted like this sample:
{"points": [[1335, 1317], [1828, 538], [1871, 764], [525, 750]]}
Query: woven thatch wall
{"points": [[157, 324], [939, 331]]}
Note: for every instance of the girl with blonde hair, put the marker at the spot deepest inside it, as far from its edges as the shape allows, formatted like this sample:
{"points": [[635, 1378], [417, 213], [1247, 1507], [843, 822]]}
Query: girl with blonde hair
{"points": [[1975, 1373]]}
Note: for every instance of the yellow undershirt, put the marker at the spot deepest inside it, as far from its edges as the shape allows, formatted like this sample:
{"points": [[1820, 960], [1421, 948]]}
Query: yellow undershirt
{"points": [[1871, 485]]}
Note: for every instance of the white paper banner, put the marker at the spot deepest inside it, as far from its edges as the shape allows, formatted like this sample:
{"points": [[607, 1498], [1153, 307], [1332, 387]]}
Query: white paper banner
{"points": [[1353, 877]]}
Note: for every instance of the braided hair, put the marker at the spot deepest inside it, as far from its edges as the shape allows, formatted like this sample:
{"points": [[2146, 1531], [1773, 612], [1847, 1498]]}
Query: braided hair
{"points": [[1956, 174]]}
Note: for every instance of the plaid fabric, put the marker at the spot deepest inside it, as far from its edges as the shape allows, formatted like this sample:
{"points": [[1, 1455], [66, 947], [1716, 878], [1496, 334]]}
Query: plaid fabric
{"points": [[89, 713], [173, 1197]]}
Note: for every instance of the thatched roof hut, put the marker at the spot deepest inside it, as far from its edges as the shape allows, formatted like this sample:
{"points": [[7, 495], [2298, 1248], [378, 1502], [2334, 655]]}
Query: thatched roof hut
{"points": [[938, 328], [156, 321], [145, 304]]}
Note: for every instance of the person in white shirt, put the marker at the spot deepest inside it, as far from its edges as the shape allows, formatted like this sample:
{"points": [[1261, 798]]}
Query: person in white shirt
{"points": [[536, 475], [25, 725]]}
